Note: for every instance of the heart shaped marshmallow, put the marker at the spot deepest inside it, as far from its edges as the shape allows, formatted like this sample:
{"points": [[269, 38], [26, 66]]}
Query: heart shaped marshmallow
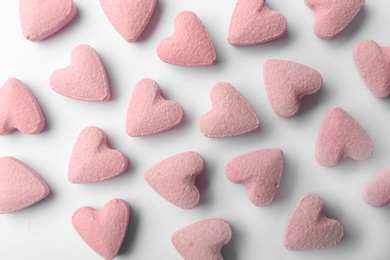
{"points": [[41, 18], [260, 171], [253, 23], [339, 136], [333, 16], [189, 45], [103, 230], [230, 114], [20, 186], [202, 240], [287, 82], [149, 113], [377, 191], [174, 179], [19, 109], [309, 229], [92, 160], [373, 64], [129, 17], [85, 78]]}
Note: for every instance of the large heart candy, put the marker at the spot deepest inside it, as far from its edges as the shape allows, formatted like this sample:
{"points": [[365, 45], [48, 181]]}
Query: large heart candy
{"points": [[20, 186], [377, 190], [19, 109], [85, 78], [41, 18], [149, 113], [189, 45], [253, 23], [103, 230], [129, 17], [309, 229], [92, 160]]}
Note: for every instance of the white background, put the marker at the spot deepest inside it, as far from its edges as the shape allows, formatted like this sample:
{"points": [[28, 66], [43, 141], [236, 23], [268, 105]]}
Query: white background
{"points": [[44, 231]]}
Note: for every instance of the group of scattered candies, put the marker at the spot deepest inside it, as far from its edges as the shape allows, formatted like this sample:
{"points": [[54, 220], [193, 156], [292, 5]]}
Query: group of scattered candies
{"points": [[149, 113]]}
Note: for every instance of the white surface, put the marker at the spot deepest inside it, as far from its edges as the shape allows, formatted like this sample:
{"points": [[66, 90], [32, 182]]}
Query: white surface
{"points": [[44, 231]]}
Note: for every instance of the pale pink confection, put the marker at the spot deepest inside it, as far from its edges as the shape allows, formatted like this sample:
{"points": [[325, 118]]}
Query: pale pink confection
{"points": [[149, 113], [340, 135], [309, 229], [20, 186], [174, 179], [230, 114], [253, 23], [260, 171], [189, 45], [287, 82], [19, 109], [103, 230], [129, 17], [202, 240], [333, 16], [41, 18], [92, 160], [373, 64], [377, 191], [85, 78]]}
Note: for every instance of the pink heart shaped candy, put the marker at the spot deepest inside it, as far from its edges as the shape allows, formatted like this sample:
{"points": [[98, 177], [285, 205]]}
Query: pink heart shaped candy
{"points": [[377, 191]]}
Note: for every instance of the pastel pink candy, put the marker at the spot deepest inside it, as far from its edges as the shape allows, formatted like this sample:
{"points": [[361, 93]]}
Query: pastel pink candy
{"points": [[92, 160], [103, 230], [202, 240], [41, 18], [189, 45], [287, 82], [19, 109], [341, 136], [373, 64], [149, 113], [20, 186], [230, 114], [260, 171], [85, 78], [129, 17], [309, 229], [253, 23], [377, 191], [333, 16], [174, 179]]}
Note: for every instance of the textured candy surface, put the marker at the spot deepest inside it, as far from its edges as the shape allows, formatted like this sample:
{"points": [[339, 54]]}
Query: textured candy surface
{"points": [[377, 190]]}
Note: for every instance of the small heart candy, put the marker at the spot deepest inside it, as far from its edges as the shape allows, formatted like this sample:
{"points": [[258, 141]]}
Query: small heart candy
{"points": [[377, 191], [230, 114], [253, 23], [339, 136], [85, 78], [174, 179], [19, 109], [287, 82], [202, 240], [20, 186], [92, 160], [189, 45], [373, 64], [41, 18], [149, 113], [103, 230], [260, 171], [309, 229], [333, 16], [129, 17]]}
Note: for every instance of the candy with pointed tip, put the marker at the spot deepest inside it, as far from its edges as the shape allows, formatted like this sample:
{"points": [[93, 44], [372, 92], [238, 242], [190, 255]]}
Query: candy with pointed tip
{"points": [[149, 113], [253, 23], [92, 160], [309, 229], [377, 191], [287, 82], [202, 240], [84, 79], [189, 45]]}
